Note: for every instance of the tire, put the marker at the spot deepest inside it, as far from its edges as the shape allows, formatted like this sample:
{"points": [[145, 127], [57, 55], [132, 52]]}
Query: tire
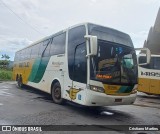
{"points": [[17, 76], [19, 82], [56, 94]]}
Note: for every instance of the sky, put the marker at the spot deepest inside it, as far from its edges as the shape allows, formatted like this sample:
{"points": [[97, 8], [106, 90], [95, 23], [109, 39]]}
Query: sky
{"points": [[25, 21]]}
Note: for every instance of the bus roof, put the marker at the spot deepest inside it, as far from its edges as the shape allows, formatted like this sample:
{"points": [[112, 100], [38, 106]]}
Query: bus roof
{"points": [[112, 30]]}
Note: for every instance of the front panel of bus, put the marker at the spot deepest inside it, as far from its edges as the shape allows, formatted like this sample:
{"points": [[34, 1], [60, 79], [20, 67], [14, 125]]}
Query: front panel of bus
{"points": [[113, 71], [149, 75]]}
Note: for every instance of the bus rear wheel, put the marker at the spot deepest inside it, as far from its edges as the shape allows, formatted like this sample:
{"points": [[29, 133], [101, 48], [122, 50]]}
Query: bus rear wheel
{"points": [[56, 94], [19, 82]]}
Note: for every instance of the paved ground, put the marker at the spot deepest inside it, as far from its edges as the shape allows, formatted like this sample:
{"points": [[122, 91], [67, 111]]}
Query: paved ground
{"points": [[29, 106]]}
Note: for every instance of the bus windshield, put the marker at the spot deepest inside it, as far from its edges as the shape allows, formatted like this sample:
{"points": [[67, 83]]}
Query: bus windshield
{"points": [[114, 64], [154, 63]]}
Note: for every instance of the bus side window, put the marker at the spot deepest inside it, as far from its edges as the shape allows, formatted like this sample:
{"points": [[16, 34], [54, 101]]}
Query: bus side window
{"points": [[47, 45], [24, 54], [35, 50], [16, 57], [29, 53], [58, 44], [52, 47], [156, 63], [42, 47], [20, 56]]}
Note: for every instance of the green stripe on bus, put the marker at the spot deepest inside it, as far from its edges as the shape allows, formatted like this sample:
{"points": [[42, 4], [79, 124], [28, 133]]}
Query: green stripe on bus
{"points": [[125, 89], [38, 69]]}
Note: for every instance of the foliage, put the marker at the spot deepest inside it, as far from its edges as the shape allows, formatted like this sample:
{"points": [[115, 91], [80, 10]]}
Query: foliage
{"points": [[5, 74], [5, 57], [4, 63]]}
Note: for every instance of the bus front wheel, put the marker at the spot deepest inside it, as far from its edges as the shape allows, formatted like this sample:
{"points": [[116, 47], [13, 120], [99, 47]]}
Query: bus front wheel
{"points": [[56, 94]]}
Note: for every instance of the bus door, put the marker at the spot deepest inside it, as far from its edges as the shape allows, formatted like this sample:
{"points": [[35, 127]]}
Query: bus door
{"points": [[77, 63], [79, 71]]}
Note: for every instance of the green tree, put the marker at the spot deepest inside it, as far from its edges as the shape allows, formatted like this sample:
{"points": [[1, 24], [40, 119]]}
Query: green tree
{"points": [[5, 57], [4, 63]]}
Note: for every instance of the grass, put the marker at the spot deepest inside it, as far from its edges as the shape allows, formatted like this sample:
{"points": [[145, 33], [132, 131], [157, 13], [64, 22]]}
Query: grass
{"points": [[5, 74]]}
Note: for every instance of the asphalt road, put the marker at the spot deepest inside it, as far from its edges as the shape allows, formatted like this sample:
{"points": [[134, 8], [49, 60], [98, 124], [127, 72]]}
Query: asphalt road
{"points": [[29, 106]]}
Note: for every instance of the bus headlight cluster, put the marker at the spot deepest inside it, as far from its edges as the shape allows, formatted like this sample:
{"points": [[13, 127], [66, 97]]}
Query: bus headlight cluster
{"points": [[97, 89], [135, 89]]}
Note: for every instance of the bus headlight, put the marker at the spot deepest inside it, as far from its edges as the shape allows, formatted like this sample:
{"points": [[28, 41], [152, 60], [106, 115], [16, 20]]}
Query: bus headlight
{"points": [[134, 89], [97, 89]]}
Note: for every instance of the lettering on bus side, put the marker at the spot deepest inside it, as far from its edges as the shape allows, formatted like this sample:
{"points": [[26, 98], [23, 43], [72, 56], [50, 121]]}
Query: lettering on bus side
{"points": [[156, 74], [24, 64], [57, 63]]}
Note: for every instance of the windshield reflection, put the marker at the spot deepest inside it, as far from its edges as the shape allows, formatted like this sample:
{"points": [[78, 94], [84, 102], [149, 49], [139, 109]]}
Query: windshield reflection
{"points": [[114, 64]]}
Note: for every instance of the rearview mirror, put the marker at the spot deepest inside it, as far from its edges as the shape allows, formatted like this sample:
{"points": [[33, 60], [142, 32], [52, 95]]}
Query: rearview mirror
{"points": [[93, 44], [146, 54]]}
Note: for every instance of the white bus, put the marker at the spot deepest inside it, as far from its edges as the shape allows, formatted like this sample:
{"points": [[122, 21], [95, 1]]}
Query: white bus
{"points": [[149, 75], [88, 64]]}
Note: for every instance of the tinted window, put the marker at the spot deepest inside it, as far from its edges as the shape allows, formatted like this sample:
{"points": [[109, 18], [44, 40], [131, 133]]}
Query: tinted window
{"points": [[16, 57], [114, 64], [154, 62], [58, 44], [47, 45], [80, 65], [35, 50], [75, 38], [41, 49], [109, 34], [24, 54], [20, 56], [28, 53]]}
